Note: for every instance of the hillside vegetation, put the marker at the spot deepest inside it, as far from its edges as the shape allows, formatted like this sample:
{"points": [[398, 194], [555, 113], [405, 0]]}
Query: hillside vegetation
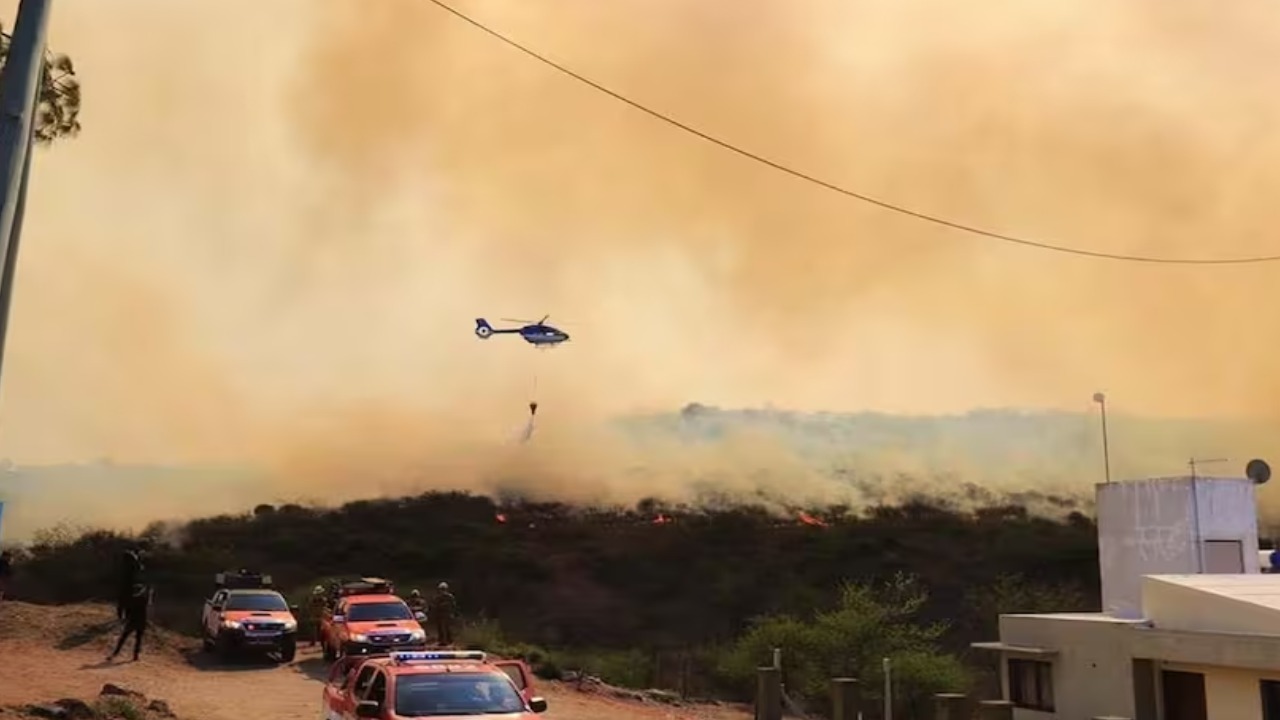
{"points": [[689, 603]]}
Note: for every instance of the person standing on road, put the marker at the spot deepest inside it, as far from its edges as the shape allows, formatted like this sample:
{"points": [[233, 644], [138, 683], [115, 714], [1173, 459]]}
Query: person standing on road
{"points": [[443, 607], [6, 571], [130, 571], [418, 604], [135, 620], [319, 608]]}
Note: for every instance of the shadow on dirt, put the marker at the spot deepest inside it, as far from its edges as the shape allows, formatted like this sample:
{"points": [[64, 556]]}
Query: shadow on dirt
{"points": [[314, 668], [208, 662], [88, 634]]}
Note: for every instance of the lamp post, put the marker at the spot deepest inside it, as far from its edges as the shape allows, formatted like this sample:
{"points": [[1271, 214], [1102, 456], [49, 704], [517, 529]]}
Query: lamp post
{"points": [[1106, 448], [19, 87]]}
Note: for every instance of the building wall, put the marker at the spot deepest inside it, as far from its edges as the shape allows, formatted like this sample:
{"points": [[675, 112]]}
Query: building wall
{"points": [[1144, 528], [1228, 510], [1230, 694], [1153, 527], [1093, 671]]}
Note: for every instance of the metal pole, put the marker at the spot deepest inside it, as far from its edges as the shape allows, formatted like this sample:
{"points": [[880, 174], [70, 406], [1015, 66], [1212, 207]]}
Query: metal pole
{"points": [[845, 699], [1106, 448], [768, 694], [19, 85], [888, 692]]}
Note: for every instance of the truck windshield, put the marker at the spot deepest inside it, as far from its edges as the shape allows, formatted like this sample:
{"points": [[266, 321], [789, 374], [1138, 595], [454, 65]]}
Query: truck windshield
{"points": [[378, 611], [261, 602], [456, 694]]}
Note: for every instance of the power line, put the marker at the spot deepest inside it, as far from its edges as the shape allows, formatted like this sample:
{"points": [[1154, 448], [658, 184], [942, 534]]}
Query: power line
{"points": [[973, 230]]}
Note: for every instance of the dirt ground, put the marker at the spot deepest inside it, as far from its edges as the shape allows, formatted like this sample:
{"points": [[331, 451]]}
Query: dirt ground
{"points": [[47, 653]]}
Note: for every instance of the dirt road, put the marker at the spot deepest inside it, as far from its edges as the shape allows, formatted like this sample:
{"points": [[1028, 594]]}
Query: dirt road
{"points": [[50, 653]]}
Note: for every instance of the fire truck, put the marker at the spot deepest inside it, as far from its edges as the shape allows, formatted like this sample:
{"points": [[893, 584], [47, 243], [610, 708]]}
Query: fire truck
{"points": [[368, 618]]}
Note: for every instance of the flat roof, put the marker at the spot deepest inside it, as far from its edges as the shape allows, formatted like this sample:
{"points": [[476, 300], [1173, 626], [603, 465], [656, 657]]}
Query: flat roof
{"points": [[1169, 480], [1078, 617], [1261, 589], [1006, 647]]}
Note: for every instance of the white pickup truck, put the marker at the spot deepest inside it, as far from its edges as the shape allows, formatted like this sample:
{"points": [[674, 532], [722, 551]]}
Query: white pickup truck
{"points": [[248, 619]]}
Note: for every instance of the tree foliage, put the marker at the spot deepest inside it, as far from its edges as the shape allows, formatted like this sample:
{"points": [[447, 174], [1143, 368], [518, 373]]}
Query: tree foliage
{"points": [[677, 604], [57, 112], [868, 623]]}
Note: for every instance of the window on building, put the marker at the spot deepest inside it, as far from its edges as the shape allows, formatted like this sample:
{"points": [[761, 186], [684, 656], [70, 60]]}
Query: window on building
{"points": [[1270, 699], [1031, 684], [1184, 696], [1223, 557]]}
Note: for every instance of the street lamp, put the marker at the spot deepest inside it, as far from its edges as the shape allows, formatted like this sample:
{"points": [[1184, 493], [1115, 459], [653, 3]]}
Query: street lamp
{"points": [[19, 88], [1106, 450]]}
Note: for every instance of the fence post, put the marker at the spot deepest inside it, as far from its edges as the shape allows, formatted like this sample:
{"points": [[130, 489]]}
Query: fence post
{"points": [[769, 694], [952, 706], [995, 710], [888, 689], [846, 699]]}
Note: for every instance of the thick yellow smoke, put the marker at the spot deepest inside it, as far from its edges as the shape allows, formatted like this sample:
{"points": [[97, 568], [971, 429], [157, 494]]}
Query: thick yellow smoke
{"points": [[271, 240]]}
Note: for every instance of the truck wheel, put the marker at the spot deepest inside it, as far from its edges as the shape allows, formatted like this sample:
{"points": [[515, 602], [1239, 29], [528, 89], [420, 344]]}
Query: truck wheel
{"points": [[288, 650], [224, 648]]}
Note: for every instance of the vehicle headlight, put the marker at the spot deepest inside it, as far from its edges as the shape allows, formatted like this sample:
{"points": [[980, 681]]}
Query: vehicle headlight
{"points": [[290, 625], [418, 635], [231, 624], [357, 637]]}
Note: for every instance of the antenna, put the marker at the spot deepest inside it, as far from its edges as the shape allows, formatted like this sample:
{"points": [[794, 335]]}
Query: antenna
{"points": [[1194, 462], [1258, 471]]}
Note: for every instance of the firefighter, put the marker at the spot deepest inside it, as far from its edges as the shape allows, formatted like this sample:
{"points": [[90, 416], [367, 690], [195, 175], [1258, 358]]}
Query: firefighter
{"points": [[319, 608], [6, 571], [130, 571], [416, 602], [135, 619], [443, 607]]}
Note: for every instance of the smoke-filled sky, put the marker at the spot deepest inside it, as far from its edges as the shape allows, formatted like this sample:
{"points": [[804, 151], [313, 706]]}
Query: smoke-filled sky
{"points": [[272, 238]]}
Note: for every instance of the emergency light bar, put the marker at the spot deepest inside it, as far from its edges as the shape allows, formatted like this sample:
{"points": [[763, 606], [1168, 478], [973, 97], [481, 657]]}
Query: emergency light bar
{"points": [[401, 658], [242, 580]]}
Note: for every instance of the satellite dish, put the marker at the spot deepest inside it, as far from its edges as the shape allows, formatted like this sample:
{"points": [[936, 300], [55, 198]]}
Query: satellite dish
{"points": [[1258, 471]]}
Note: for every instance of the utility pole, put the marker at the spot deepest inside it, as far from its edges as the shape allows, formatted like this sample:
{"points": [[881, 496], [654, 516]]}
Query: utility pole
{"points": [[1101, 399], [19, 87]]}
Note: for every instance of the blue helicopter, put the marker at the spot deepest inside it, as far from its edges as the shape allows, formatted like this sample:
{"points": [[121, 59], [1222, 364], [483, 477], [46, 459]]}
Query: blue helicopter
{"points": [[537, 333]]}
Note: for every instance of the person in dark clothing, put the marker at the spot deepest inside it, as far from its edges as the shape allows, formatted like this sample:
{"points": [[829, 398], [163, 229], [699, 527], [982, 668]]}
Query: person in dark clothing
{"points": [[135, 620], [130, 572], [443, 607], [6, 571], [319, 609]]}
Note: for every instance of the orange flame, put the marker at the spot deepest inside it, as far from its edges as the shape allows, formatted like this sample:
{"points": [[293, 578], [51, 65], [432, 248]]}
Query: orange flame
{"points": [[500, 517], [808, 519], [661, 520]]}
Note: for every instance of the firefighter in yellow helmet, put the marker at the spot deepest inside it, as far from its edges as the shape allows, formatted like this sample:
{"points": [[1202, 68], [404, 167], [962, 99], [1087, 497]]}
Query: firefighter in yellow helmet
{"points": [[319, 608]]}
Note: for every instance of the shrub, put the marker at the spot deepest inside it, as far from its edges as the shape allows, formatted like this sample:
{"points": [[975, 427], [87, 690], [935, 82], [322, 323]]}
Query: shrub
{"points": [[868, 624]]}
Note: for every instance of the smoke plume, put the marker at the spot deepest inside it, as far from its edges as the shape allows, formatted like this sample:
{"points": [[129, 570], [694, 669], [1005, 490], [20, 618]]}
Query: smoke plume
{"points": [[270, 241]]}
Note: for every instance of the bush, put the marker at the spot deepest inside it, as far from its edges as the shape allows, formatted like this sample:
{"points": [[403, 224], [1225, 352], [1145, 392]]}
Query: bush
{"points": [[623, 668], [118, 708], [868, 624]]}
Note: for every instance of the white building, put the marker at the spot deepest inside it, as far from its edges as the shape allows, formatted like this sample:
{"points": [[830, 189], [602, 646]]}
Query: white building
{"points": [[1190, 628]]}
